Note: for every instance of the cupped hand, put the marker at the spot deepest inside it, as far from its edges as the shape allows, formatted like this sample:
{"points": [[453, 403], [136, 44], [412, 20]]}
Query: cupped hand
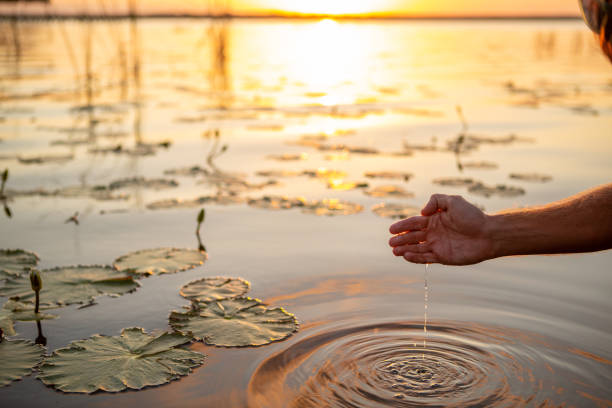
{"points": [[450, 231]]}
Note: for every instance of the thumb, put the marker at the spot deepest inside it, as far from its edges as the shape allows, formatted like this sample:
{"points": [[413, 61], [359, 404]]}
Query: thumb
{"points": [[436, 202]]}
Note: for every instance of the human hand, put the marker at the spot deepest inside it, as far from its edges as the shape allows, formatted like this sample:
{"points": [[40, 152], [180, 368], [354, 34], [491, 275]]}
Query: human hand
{"points": [[450, 231]]}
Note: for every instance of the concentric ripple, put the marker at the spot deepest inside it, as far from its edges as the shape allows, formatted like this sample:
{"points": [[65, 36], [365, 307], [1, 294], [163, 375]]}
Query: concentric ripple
{"points": [[386, 364]]}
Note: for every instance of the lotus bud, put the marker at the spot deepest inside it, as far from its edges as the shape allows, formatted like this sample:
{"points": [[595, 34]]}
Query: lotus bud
{"points": [[5, 176], [35, 280], [201, 216]]}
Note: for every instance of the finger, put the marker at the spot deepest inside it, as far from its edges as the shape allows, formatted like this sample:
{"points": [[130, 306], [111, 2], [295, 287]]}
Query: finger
{"points": [[412, 237], [436, 202], [409, 224], [420, 248], [425, 258]]}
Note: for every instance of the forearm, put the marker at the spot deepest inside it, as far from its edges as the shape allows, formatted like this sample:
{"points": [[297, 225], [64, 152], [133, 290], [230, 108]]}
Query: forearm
{"points": [[581, 223]]}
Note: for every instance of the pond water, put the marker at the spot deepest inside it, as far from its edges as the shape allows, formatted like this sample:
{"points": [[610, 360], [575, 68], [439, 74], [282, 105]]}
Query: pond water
{"points": [[234, 111]]}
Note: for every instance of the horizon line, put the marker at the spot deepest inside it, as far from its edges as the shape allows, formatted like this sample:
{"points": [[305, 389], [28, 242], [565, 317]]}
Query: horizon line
{"points": [[288, 16]]}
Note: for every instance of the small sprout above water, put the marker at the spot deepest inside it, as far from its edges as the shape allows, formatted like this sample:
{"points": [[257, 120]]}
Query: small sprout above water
{"points": [[74, 218], [200, 220], [5, 175]]}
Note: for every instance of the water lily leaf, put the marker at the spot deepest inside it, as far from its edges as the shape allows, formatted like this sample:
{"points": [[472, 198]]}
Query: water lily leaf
{"points": [[217, 288], [14, 262], [395, 210], [277, 202], [332, 206], [71, 284], [235, 322], [220, 199], [133, 360], [58, 158], [481, 165], [324, 173], [534, 177], [500, 190], [454, 181], [18, 358], [160, 260], [277, 173], [389, 175], [24, 312], [388, 191], [339, 184], [6, 322], [186, 171], [156, 184], [288, 157]]}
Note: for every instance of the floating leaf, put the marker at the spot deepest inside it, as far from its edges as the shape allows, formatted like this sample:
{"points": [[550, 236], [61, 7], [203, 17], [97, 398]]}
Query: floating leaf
{"points": [[288, 157], [209, 289], [221, 199], [454, 181], [71, 284], [18, 358], [186, 171], [6, 322], [277, 173], [156, 184], [235, 322], [500, 190], [277, 202], [339, 184], [481, 165], [24, 312], [133, 360], [324, 173], [14, 262], [159, 261], [332, 206], [389, 175], [395, 210], [535, 177], [59, 158], [388, 191]]}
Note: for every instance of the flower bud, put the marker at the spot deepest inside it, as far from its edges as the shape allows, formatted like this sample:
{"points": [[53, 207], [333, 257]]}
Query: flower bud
{"points": [[35, 280]]}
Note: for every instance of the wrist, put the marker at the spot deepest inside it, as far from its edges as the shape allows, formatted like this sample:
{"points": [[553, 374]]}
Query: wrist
{"points": [[494, 236]]}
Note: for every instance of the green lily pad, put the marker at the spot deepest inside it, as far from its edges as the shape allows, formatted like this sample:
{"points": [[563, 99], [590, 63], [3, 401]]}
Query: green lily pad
{"points": [[71, 284], [288, 157], [43, 159], [133, 360], [18, 358], [480, 165], [277, 173], [160, 260], [395, 210], [6, 322], [24, 312], [277, 202], [235, 322], [389, 191], [186, 171], [217, 288], [14, 262], [332, 206], [156, 184], [220, 199]]}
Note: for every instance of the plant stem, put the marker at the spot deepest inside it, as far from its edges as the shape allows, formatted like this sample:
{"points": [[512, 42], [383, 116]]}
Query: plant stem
{"points": [[37, 302]]}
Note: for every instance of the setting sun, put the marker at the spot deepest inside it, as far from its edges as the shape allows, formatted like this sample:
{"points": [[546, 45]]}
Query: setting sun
{"points": [[337, 7]]}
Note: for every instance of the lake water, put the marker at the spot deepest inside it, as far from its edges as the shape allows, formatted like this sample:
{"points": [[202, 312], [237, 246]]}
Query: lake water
{"points": [[85, 104]]}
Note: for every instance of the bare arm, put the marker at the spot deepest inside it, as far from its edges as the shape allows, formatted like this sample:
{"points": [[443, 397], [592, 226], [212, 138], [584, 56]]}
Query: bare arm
{"points": [[454, 232]]}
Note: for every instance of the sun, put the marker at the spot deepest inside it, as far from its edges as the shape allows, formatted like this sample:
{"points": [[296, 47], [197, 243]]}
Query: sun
{"points": [[330, 7]]}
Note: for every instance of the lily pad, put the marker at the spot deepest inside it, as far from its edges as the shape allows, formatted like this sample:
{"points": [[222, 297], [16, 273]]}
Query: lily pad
{"points": [[480, 165], [277, 173], [332, 206], [454, 181], [324, 173], [339, 184], [186, 171], [221, 199], [388, 175], [58, 158], [534, 177], [210, 289], [133, 360], [24, 312], [18, 358], [235, 322], [159, 261], [395, 210], [277, 202], [6, 322], [14, 262], [388, 191], [288, 157], [71, 284], [156, 184], [500, 190]]}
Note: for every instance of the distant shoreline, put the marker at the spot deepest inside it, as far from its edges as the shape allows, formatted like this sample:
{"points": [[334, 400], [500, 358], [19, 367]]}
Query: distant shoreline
{"points": [[282, 17]]}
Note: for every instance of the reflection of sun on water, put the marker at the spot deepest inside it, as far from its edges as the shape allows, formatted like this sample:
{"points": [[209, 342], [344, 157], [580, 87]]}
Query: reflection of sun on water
{"points": [[334, 7]]}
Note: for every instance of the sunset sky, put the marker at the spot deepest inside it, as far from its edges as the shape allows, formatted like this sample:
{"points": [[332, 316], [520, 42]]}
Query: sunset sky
{"points": [[330, 7]]}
